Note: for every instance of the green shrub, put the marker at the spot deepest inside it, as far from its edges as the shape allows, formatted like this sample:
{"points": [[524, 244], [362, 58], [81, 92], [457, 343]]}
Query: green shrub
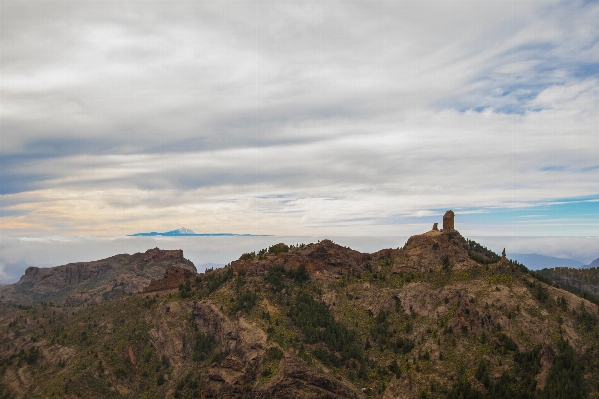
{"points": [[481, 254], [274, 353], [32, 355], [277, 249], [565, 376], [446, 263], [120, 372], [248, 256], [318, 325], [244, 301], [203, 346], [185, 289], [216, 279], [300, 275], [506, 344], [586, 319]]}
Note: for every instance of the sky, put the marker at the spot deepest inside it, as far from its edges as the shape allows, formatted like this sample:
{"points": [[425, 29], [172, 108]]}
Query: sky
{"points": [[346, 118]]}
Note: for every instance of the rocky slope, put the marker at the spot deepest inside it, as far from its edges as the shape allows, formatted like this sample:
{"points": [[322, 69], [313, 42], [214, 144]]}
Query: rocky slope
{"points": [[92, 282], [441, 317], [582, 282]]}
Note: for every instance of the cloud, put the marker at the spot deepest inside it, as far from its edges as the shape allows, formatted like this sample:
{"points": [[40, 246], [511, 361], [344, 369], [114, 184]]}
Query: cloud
{"points": [[273, 117]]}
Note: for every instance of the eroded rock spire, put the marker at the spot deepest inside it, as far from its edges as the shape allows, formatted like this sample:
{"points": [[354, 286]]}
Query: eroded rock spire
{"points": [[448, 220]]}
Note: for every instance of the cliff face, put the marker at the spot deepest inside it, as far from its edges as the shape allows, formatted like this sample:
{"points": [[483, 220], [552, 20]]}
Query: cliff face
{"points": [[92, 282], [173, 277], [441, 317]]}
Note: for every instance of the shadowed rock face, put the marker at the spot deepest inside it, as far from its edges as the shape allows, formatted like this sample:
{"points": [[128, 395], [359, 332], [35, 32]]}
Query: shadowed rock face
{"points": [[173, 277], [85, 282]]}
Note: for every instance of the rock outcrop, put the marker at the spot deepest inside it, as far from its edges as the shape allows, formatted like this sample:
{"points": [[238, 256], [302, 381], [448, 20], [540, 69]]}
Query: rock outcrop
{"points": [[448, 221], [173, 277], [435, 250], [325, 256], [92, 282]]}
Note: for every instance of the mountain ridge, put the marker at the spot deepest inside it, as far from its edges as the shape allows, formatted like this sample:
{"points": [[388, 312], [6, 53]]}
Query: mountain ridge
{"points": [[440, 317], [92, 282], [594, 263]]}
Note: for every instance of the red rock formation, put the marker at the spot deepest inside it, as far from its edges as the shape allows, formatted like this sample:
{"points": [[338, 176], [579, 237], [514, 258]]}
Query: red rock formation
{"points": [[93, 282], [325, 255], [173, 277], [156, 255], [434, 249]]}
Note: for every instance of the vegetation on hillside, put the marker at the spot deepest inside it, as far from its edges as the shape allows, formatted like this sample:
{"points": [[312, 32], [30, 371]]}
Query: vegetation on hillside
{"points": [[481, 329], [581, 282], [481, 254]]}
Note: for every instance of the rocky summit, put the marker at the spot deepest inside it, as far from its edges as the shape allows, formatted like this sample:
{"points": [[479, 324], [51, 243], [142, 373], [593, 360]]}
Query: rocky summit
{"points": [[92, 282], [440, 317]]}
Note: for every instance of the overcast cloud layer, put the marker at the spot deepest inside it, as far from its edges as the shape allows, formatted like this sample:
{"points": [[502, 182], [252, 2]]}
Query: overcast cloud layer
{"points": [[296, 118]]}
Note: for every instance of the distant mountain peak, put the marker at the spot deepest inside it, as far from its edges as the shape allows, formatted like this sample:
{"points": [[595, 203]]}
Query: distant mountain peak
{"points": [[594, 263], [537, 261], [182, 231]]}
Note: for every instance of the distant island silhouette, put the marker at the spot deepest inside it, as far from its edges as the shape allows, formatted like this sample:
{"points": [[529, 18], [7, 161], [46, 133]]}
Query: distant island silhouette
{"points": [[189, 233]]}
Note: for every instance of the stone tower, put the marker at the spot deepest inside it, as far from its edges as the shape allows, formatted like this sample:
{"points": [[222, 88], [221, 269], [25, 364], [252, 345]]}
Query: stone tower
{"points": [[448, 220]]}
